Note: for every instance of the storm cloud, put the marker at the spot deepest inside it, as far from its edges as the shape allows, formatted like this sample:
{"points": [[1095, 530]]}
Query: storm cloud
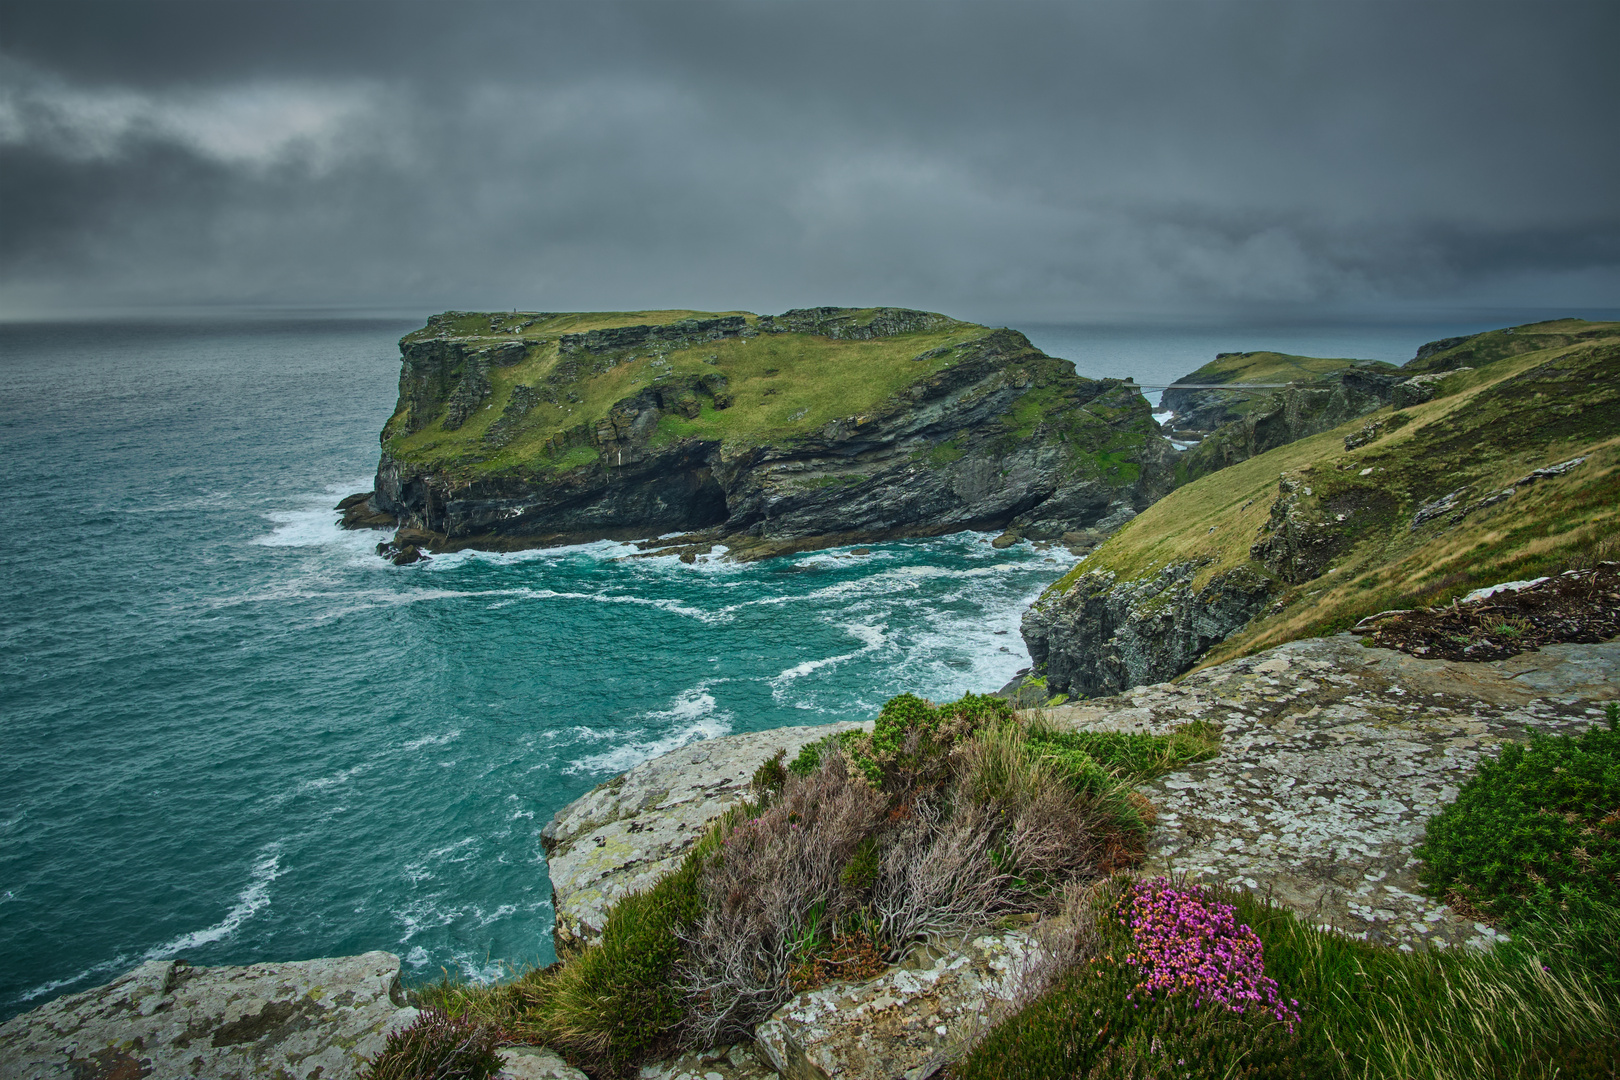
{"points": [[1042, 161]]}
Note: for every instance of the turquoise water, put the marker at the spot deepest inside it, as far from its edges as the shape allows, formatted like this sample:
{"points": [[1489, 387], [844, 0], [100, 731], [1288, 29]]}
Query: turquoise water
{"points": [[229, 732]]}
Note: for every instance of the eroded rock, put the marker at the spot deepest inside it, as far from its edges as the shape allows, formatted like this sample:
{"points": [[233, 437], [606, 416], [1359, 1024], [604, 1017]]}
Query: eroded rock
{"points": [[298, 1021], [627, 833], [1100, 635]]}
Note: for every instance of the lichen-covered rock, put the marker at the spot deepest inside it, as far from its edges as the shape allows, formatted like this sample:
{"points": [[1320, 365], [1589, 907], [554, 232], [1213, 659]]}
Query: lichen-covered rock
{"points": [[535, 1063], [906, 1022], [738, 1062], [1333, 759], [292, 1021], [1099, 635], [624, 835]]}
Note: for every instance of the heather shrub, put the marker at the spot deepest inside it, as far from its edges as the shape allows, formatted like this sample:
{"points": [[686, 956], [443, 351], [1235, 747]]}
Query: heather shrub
{"points": [[1533, 841], [1160, 982], [438, 1046], [774, 889]]}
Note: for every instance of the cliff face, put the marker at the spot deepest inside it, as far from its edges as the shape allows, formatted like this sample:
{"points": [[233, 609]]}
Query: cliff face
{"points": [[1290, 414], [1102, 635], [816, 426], [1472, 475]]}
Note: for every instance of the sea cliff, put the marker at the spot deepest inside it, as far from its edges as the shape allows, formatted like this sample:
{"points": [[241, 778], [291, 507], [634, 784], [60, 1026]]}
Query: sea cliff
{"points": [[761, 433], [1503, 467]]}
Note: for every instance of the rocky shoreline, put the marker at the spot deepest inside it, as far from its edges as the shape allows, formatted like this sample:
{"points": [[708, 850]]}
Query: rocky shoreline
{"points": [[1334, 755]]}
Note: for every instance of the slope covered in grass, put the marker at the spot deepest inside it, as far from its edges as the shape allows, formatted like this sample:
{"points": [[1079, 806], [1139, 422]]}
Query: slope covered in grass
{"points": [[1433, 500], [779, 384]]}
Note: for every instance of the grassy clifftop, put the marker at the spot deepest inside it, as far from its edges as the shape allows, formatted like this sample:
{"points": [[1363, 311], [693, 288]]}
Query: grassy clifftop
{"points": [[817, 426], [734, 377], [1421, 504]]}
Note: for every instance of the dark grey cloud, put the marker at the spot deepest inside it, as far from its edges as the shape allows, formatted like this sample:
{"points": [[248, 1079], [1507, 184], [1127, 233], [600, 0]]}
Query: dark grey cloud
{"points": [[1029, 160]]}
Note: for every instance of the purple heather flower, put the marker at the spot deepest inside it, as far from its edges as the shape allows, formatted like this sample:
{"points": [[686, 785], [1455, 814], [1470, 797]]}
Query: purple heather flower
{"points": [[1186, 942]]}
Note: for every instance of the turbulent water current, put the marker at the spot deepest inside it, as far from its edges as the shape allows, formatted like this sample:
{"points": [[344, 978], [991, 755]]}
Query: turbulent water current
{"points": [[230, 732]]}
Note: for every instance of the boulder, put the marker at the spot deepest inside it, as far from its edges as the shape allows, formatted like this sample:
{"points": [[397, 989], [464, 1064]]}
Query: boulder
{"points": [[296, 1021], [535, 1063], [625, 834], [909, 1021], [738, 1062]]}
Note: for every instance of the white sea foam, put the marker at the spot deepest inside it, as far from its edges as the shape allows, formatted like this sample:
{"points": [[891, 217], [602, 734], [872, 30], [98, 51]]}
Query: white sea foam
{"points": [[873, 637], [254, 898], [118, 963], [433, 740], [692, 716]]}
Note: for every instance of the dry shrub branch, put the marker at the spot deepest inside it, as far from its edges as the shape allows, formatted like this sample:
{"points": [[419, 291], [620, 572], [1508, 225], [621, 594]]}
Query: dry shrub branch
{"points": [[944, 819]]}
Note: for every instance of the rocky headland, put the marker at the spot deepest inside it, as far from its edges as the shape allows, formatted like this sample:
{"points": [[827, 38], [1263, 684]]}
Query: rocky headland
{"points": [[1506, 467], [764, 434]]}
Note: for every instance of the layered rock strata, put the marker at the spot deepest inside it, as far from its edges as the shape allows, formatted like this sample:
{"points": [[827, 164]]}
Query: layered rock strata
{"points": [[1102, 634], [985, 432]]}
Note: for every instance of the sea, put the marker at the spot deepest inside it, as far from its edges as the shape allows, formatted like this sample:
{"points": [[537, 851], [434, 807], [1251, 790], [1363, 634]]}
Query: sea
{"points": [[229, 732]]}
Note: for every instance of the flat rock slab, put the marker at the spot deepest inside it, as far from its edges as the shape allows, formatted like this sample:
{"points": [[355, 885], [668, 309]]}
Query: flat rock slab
{"points": [[906, 1022], [623, 836], [295, 1021], [1334, 757]]}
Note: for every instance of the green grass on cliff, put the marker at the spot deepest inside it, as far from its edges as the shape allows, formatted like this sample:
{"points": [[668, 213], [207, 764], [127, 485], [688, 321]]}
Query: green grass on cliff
{"points": [[781, 385], [1267, 367], [1524, 411], [1366, 1012]]}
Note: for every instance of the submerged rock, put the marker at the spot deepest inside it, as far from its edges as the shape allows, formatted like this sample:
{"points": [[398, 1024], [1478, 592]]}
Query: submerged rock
{"points": [[298, 1021]]}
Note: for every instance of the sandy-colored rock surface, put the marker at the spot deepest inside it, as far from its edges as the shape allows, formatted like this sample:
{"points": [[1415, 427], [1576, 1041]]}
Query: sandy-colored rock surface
{"points": [[739, 1062], [296, 1021], [907, 1021], [535, 1063], [629, 832], [1334, 758]]}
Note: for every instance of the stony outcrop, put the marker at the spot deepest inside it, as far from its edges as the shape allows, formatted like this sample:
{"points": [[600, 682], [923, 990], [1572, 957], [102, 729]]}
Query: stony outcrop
{"points": [[1099, 635], [627, 833], [1356, 388], [1291, 414], [297, 1021], [991, 434], [1333, 758], [676, 335], [853, 324], [908, 1022], [1420, 388]]}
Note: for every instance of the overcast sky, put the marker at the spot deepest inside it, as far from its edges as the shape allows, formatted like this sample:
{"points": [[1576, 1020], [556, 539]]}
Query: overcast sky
{"points": [[1039, 161]]}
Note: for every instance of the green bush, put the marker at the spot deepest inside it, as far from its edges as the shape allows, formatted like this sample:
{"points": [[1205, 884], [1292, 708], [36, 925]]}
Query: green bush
{"points": [[770, 776], [1535, 835], [438, 1046], [911, 737]]}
